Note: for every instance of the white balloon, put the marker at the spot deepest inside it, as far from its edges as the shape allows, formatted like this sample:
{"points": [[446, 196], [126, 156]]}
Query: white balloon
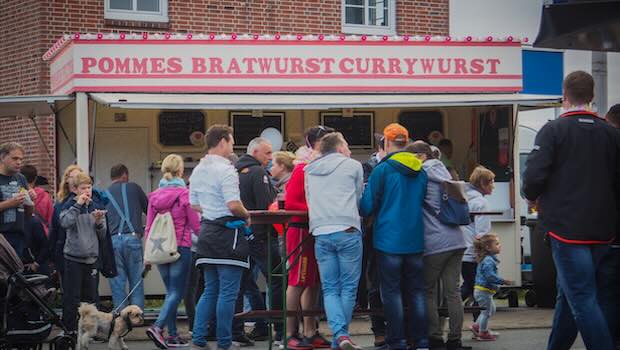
{"points": [[274, 136]]}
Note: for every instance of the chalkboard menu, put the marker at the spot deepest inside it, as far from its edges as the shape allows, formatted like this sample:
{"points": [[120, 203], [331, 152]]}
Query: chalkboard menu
{"points": [[175, 127], [421, 123], [245, 127], [357, 130]]}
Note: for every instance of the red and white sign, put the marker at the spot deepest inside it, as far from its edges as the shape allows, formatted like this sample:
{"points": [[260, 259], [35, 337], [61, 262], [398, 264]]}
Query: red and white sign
{"points": [[261, 66]]}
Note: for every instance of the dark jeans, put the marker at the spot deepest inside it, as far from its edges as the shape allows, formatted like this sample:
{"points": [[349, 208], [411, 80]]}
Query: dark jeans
{"points": [[79, 284], [374, 294], [258, 257], [577, 307], [468, 272], [408, 270], [609, 289], [195, 286]]}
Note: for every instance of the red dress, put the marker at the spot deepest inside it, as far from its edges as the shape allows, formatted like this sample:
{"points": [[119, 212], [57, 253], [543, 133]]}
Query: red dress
{"points": [[304, 271]]}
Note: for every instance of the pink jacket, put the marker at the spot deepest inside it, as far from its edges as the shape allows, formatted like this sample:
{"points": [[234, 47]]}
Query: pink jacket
{"points": [[43, 207], [185, 218]]}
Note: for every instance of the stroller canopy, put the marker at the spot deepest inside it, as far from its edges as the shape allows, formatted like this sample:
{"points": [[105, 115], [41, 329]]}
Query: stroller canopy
{"points": [[10, 263]]}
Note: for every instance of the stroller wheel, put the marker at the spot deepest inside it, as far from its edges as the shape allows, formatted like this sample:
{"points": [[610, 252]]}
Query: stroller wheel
{"points": [[63, 342]]}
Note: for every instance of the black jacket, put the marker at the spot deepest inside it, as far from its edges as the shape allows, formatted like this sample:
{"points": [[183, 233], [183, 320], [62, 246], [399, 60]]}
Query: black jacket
{"points": [[257, 192], [574, 172], [220, 245]]}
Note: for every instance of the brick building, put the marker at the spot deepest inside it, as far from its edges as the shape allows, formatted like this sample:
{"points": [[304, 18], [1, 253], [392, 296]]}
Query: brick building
{"points": [[31, 27]]}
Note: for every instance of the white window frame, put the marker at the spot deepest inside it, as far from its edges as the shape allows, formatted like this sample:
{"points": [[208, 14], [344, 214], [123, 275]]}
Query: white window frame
{"points": [[366, 28], [135, 15]]}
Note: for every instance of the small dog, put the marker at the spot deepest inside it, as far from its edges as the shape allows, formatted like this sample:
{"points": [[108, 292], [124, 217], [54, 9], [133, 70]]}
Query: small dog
{"points": [[94, 322]]}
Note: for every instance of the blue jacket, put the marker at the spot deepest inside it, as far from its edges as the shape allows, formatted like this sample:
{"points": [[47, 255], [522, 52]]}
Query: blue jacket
{"points": [[394, 194], [486, 274]]}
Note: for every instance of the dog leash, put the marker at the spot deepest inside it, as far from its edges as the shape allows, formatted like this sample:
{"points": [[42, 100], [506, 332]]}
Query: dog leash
{"points": [[116, 311]]}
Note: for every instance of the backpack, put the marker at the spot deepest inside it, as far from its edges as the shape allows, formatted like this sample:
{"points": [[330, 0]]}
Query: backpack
{"points": [[453, 208], [161, 246]]}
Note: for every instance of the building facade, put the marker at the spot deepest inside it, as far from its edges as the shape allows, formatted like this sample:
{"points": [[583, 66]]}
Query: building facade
{"points": [[31, 27]]}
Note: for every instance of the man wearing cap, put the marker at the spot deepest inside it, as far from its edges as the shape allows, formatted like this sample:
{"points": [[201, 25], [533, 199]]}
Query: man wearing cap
{"points": [[394, 194]]}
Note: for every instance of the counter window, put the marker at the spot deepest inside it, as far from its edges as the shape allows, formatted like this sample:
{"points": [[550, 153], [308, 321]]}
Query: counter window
{"points": [[246, 127], [176, 127], [357, 130], [495, 141]]}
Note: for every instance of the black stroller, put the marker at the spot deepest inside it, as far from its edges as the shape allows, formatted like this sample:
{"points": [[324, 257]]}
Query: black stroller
{"points": [[27, 319]]}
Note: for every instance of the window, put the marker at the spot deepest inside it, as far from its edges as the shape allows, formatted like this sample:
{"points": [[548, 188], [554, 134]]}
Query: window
{"points": [[176, 127], [137, 10], [420, 124], [246, 127], [357, 130], [369, 17]]}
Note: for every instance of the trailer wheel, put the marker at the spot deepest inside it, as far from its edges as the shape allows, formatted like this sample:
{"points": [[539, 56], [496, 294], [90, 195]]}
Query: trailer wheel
{"points": [[530, 298]]}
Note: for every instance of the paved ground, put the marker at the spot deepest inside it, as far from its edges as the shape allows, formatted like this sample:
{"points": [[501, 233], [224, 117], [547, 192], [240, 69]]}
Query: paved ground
{"points": [[531, 339]]}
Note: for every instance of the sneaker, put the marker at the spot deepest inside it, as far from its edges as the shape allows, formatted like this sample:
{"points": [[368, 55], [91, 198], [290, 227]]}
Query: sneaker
{"points": [[436, 343], [259, 334], [176, 342], [317, 341], [493, 333], [97, 340], [233, 346], [475, 329], [297, 343], [379, 340], [243, 340], [155, 334], [200, 347], [278, 344], [345, 343], [486, 336]]}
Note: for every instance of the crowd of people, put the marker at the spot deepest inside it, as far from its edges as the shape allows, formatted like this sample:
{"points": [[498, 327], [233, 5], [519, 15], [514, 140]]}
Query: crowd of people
{"points": [[373, 237]]}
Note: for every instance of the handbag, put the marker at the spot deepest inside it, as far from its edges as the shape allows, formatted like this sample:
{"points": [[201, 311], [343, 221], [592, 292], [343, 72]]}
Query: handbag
{"points": [[453, 208], [161, 245]]}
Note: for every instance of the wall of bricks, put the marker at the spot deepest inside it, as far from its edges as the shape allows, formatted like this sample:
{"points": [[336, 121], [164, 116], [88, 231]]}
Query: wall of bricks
{"points": [[32, 26]]}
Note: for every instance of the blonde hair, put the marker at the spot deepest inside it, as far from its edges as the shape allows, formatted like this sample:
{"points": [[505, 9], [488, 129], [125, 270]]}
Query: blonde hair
{"points": [[64, 190], [482, 245], [286, 159], [80, 179], [172, 166], [481, 176]]}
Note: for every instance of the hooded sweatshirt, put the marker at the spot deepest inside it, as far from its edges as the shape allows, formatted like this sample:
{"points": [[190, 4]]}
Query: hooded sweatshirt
{"points": [[481, 224], [83, 234], [174, 199], [334, 185], [438, 237], [394, 194]]}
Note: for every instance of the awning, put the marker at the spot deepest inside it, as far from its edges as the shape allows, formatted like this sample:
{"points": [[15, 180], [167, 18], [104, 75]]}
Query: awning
{"points": [[26, 106], [324, 101]]}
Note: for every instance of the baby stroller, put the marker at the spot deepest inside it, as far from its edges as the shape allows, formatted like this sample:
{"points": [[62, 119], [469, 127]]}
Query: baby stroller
{"points": [[27, 319]]}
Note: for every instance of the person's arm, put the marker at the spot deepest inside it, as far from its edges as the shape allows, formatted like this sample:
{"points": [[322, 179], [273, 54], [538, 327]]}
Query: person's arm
{"points": [[489, 274], [295, 193], [371, 196], [539, 163], [359, 181], [150, 216], [68, 217], [144, 201], [482, 223], [193, 218], [101, 228], [231, 194], [12, 202], [237, 209], [263, 191]]}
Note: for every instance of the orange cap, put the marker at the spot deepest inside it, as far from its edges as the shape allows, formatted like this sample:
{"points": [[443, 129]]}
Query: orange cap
{"points": [[396, 132]]}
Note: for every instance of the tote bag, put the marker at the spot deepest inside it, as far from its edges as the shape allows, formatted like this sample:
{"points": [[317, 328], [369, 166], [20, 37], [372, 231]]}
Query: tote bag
{"points": [[161, 246]]}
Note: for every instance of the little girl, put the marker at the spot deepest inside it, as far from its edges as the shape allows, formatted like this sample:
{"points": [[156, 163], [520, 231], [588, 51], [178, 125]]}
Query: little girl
{"points": [[487, 283]]}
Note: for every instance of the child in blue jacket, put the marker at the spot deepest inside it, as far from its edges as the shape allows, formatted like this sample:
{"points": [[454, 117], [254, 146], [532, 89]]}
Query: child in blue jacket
{"points": [[487, 284]]}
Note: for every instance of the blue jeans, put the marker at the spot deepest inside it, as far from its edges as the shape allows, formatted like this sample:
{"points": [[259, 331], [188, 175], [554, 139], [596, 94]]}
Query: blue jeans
{"points": [[339, 256], [609, 289], [128, 255], [577, 308], [485, 300], [217, 300], [174, 276], [395, 272]]}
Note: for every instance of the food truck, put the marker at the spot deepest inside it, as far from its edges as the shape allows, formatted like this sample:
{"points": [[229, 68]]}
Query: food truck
{"points": [[135, 98]]}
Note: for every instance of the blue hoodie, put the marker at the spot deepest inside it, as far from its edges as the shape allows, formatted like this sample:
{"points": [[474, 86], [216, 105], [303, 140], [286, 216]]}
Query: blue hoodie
{"points": [[394, 194]]}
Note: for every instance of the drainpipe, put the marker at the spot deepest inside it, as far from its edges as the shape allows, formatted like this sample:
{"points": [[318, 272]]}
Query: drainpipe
{"points": [[599, 73]]}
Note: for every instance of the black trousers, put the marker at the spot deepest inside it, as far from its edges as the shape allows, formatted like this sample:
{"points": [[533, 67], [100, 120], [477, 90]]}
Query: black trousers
{"points": [[79, 285]]}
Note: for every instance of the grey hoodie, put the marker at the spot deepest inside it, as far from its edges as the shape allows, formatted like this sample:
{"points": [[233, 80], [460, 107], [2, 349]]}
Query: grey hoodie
{"points": [[438, 237], [334, 185], [83, 235]]}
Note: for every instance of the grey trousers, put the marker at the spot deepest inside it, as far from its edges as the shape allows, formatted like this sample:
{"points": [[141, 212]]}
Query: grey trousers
{"points": [[444, 267]]}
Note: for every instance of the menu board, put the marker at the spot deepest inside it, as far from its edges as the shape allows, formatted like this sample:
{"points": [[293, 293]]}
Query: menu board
{"points": [[357, 130], [246, 127], [175, 127], [421, 123]]}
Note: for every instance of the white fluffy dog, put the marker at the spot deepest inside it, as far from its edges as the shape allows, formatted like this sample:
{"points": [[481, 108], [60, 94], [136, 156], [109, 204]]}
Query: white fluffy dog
{"points": [[94, 322]]}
